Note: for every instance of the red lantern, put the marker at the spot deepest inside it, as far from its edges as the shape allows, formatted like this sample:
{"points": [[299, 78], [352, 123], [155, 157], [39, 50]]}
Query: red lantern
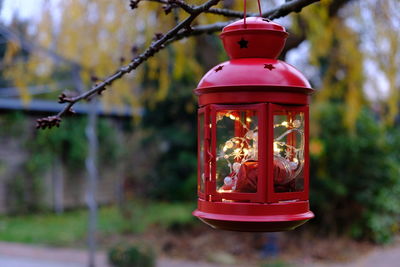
{"points": [[253, 134]]}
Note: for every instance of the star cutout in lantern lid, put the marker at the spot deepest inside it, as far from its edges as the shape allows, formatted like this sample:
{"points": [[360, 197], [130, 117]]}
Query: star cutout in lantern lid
{"points": [[269, 66], [219, 68], [243, 43]]}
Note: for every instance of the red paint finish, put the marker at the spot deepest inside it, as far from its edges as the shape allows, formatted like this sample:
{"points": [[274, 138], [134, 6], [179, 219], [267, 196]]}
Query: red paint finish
{"points": [[259, 38], [251, 72], [253, 135]]}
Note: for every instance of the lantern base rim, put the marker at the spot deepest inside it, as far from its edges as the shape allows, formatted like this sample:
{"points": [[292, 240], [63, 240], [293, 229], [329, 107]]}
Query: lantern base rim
{"points": [[239, 226], [253, 217]]}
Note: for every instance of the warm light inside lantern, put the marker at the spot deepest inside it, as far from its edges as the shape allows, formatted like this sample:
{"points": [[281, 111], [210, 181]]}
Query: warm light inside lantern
{"points": [[237, 151]]}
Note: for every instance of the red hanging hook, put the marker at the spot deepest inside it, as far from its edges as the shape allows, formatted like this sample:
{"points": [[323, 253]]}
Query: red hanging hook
{"points": [[244, 11], [259, 7]]}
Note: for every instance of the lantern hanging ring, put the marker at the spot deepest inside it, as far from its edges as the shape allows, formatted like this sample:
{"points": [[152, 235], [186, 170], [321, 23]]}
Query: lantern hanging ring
{"points": [[244, 11]]}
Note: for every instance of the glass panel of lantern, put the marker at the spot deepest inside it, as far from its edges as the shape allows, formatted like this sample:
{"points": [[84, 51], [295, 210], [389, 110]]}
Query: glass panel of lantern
{"points": [[201, 169], [288, 146], [237, 151]]}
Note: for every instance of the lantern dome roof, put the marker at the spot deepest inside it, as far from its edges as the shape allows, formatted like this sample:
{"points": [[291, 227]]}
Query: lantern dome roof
{"points": [[246, 74], [253, 47]]}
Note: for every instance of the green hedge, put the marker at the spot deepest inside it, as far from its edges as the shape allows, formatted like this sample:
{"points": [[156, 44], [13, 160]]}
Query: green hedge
{"points": [[131, 256], [355, 176]]}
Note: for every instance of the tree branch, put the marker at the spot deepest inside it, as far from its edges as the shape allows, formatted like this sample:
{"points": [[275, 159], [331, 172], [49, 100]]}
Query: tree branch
{"points": [[183, 29], [278, 12]]}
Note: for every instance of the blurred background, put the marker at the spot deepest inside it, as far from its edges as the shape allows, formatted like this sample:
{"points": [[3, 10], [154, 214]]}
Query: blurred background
{"points": [[143, 175]]}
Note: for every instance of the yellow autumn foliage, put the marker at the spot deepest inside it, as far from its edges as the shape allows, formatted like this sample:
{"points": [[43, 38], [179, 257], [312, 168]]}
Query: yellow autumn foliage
{"points": [[337, 48], [96, 34]]}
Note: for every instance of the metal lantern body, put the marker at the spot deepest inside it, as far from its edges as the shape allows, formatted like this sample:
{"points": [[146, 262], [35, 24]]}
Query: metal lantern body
{"points": [[253, 167]]}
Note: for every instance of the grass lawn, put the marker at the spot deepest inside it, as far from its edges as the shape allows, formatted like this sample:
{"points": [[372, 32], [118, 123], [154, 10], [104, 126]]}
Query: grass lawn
{"points": [[70, 227]]}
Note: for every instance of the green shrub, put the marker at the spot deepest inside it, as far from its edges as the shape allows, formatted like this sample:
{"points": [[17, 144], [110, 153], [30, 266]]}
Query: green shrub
{"points": [[355, 176], [171, 128], [275, 263], [131, 256], [68, 144]]}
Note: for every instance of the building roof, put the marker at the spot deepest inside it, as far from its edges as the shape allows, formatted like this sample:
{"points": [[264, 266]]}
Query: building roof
{"points": [[46, 106]]}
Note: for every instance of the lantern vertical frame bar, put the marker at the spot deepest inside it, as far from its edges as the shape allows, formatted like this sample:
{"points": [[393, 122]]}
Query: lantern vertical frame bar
{"points": [[306, 153], [263, 153]]}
